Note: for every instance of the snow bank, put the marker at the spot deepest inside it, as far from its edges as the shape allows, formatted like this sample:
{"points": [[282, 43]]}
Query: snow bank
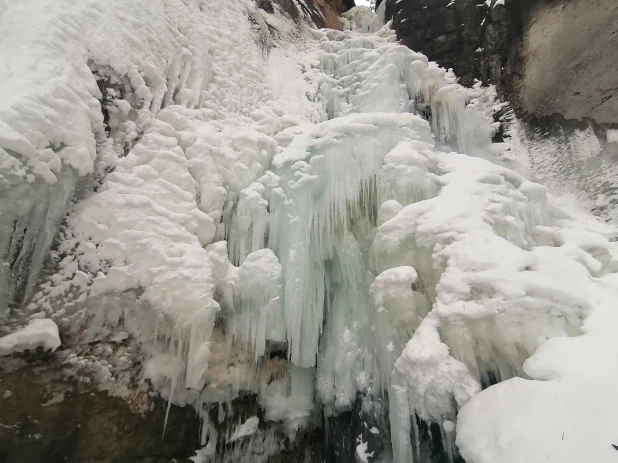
{"points": [[563, 413], [562, 420], [40, 332], [509, 279]]}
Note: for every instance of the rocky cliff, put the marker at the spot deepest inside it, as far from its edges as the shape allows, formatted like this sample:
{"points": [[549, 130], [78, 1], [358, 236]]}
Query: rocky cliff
{"points": [[546, 57], [553, 61], [324, 13]]}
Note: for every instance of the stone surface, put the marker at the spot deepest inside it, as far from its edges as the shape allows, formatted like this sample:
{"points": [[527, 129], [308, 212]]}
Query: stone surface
{"points": [[545, 56], [450, 33], [49, 418], [570, 53], [324, 13]]}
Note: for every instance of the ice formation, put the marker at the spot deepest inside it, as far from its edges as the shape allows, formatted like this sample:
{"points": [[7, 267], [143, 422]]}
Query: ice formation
{"points": [[40, 332], [314, 241]]}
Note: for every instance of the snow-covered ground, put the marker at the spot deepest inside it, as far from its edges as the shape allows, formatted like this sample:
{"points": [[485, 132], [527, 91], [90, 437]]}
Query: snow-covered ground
{"points": [[247, 192]]}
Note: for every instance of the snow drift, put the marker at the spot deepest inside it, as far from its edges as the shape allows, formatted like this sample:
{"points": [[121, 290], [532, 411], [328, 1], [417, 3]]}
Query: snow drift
{"points": [[311, 241]]}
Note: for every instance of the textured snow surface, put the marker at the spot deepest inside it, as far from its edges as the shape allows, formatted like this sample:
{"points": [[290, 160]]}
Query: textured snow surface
{"points": [[273, 214], [41, 332]]}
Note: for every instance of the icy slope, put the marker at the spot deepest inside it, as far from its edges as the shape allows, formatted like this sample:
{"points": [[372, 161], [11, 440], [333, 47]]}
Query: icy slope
{"points": [[265, 211]]}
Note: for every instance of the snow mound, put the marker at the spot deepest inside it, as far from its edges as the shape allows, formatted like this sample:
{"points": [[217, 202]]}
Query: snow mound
{"points": [[40, 332], [291, 226]]}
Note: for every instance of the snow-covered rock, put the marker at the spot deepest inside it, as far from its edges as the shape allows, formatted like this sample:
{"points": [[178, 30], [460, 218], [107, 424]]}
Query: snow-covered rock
{"points": [[40, 332]]}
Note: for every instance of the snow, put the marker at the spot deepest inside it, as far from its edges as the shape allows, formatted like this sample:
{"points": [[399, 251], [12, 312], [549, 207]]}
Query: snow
{"points": [[568, 377], [272, 214], [41, 332], [541, 424], [248, 428], [362, 453]]}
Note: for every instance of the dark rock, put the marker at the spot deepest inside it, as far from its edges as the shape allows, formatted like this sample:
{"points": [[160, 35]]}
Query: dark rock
{"points": [[545, 56], [49, 418], [367, 419], [466, 35], [324, 13]]}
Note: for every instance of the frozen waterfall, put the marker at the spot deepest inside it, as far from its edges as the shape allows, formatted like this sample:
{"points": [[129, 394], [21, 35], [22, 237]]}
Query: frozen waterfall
{"points": [[291, 217]]}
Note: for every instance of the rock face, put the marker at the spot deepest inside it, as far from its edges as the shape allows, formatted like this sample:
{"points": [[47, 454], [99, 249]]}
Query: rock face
{"points": [[554, 61], [570, 58], [50, 417], [47, 418], [324, 13], [451, 33], [331, 10], [545, 56]]}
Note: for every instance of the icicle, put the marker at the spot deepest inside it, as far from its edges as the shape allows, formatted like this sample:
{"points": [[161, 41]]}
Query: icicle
{"points": [[258, 315], [247, 230], [448, 439], [208, 440], [447, 109]]}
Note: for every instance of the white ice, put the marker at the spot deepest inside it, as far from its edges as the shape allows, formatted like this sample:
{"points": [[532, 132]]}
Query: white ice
{"points": [[248, 428]]}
